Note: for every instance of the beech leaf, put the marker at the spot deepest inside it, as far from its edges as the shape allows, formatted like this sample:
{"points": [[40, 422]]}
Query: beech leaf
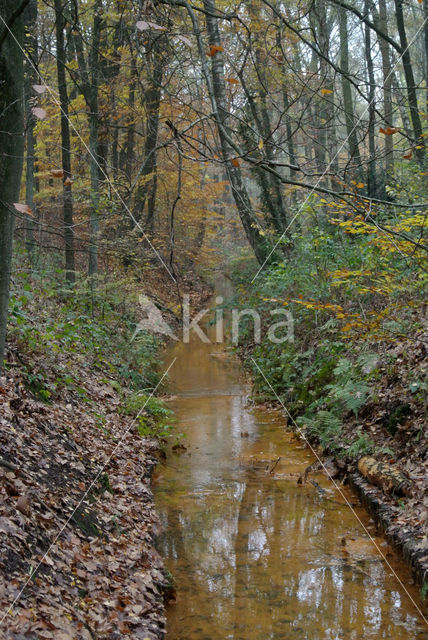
{"points": [[57, 173], [39, 88], [39, 113], [142, 25], [389, 131], [23, 505], [23, 208], [185, 40], [215, 48]]}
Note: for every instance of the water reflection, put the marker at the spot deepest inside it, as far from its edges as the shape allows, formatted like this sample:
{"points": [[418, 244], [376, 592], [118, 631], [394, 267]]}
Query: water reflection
{"points": [[256, 556]]}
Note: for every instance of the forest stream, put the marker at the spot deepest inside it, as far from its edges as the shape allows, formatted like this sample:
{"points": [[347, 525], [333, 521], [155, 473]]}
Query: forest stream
{"points": [[254, 555]]}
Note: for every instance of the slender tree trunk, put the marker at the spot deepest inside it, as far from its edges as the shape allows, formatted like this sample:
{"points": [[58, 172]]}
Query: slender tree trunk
{"points": [[266, 131], [65, 145], [11, 149], [217, 92], [290, 141], [29, 166], [148, 189], [319, 121], [371, 169], [130, 131], [262, 176], [426, 47], [94, 121], [115, 140], [30, 78], [380, 20], [354, 150], [410, 82]]}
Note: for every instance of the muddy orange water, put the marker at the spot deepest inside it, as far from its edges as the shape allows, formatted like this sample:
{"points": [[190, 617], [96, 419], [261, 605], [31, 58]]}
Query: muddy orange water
{"points": [[254, 555]]}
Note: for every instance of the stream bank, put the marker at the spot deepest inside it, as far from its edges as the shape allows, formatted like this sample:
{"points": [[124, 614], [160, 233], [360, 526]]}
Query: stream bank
{"points": [[354, 383]]}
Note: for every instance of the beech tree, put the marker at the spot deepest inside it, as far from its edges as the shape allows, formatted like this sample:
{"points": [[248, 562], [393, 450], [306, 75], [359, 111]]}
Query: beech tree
{"points": [[65, 144], [11, 141]]}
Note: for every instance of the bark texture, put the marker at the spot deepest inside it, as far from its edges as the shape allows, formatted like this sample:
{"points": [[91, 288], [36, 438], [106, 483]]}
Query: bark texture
{"points": [[11, 148]]}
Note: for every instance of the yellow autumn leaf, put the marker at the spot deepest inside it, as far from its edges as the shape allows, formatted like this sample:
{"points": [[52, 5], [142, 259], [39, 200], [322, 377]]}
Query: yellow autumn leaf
{"points": [[326, 91]]}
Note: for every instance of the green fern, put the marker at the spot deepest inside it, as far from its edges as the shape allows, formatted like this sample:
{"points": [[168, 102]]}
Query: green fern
{"points": [[352, 395]]}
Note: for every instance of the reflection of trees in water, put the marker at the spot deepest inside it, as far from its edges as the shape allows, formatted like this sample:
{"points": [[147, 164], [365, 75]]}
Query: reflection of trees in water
{"points": [[259, 590], [199, 545], [263, 560]]}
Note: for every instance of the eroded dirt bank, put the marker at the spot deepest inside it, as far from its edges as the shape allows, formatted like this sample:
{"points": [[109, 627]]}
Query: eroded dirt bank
{"points": [[76, 519]]}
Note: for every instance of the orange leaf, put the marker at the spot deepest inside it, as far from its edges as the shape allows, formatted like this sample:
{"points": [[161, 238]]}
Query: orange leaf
{"points": [[214, 48], [389, 131], [23, 208], [326, 91], [57, 173], [408, 156], [360, 185], [235, 162], [232, 80], [68, 182]]}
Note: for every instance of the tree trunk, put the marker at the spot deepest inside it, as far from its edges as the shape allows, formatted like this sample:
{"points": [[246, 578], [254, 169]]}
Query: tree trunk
{"points": [[371, 169], [290, 141], [30, 78], [347, 91], [262, 176], [217, 93], [130, 131], [266, 131], [96, 174], [11, 149], [380, 20], [65, 145], [426, 41], [148, 188], [410, 82]]}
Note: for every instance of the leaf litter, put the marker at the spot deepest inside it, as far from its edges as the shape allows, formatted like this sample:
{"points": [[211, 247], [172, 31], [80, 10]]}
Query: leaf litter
{"points": [[77, 556]]}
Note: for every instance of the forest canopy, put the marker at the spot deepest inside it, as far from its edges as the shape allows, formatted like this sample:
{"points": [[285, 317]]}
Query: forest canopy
{"points": [[144, 131]]}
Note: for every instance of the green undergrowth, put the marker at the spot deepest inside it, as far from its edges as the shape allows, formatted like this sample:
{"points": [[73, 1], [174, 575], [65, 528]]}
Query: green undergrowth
{"points": [[348, 301], [61, 337], [152, 416]]}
